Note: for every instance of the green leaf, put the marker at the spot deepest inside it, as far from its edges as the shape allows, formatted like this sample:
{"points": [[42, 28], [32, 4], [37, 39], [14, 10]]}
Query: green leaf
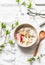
{"points": [[7, 32], [17, 23], [2, 46], [23, 3], [38, 58], [29, 5], [31, 59], [28, 0], [0, 50], [13, 26], [11, 42], [17, 0], [3, 25]]}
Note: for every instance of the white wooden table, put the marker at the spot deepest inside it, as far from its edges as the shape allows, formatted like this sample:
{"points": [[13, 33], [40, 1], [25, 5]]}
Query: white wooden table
{"points": [[9, 14]]}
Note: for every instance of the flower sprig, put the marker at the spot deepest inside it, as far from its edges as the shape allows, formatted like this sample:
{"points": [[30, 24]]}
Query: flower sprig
{"points": [[7, 32], [28, 5], [17, 1], [38, 58], [31, 59], [3, 25], [11, 42], [23, 3], [14, 24]]}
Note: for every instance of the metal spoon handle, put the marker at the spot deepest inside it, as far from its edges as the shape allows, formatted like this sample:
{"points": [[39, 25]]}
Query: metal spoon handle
{"points": [[40, 4], [34, 13]]}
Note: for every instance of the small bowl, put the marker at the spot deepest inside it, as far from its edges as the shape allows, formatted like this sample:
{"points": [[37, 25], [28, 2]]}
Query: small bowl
{"points": [[22, 26]]}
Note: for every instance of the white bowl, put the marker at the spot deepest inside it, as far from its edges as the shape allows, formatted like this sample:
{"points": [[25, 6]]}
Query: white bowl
{"points": [[22, 26]]}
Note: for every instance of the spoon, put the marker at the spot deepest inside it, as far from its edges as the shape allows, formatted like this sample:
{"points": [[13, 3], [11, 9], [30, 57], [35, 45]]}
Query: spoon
{"points": [[41, 37], [40, 4], [33, 12]]}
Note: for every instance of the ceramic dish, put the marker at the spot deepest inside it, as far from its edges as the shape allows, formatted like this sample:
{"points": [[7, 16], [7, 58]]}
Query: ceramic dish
{"points": [[26, 35]]}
